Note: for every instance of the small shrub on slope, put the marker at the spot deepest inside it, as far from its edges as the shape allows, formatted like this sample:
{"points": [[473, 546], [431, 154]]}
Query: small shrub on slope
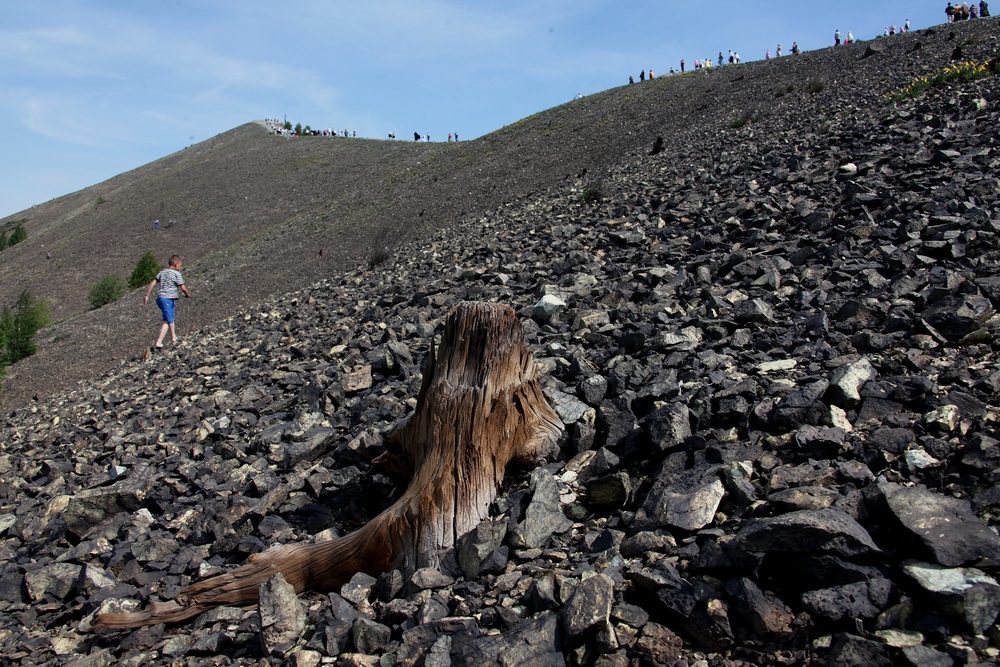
{"points": [[107, 290]]}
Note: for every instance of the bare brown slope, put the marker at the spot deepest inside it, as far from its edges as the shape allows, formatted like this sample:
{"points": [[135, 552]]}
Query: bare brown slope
{"points": [[254, 210]]}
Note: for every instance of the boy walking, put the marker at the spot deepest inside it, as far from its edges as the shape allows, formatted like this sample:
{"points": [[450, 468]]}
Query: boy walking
{"points": [[170, 280]]}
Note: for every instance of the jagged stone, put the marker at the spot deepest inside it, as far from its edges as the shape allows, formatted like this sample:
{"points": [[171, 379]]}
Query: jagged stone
{"points": [[945, 527]]}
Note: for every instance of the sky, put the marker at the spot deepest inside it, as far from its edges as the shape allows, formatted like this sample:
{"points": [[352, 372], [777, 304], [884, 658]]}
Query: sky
{"points": [[90, 89]]}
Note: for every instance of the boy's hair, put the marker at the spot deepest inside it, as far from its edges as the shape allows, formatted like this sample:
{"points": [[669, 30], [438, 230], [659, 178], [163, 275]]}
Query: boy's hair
{"points": [[174, 259]]}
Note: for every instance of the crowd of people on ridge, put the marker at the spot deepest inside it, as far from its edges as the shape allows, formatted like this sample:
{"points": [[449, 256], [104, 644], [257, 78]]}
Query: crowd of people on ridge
{"points": [[966, 11], [954, 12], [284, 129]]}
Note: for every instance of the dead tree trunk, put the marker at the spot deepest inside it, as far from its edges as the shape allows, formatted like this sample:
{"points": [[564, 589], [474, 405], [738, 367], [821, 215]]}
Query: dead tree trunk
{"points": [[480, 407]]}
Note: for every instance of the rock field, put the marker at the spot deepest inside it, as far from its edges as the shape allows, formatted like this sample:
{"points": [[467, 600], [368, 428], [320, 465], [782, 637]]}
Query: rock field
{"points": [[774, 350]]}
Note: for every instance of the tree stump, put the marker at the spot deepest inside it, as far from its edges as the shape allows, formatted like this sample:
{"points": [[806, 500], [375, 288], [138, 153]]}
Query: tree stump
{"points": [[480, 407]]}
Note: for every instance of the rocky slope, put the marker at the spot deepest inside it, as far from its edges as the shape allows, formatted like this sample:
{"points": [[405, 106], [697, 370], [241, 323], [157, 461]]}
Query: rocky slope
{"points": [[773, 348], [253, 210]]}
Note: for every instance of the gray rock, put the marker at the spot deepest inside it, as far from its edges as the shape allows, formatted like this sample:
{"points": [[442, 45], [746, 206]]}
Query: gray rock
{"points": [[863, 599], [754, 613], [368, 636], [589, 608], [966, 594], [945, 526], [89, 507], [475, 547], [925, 656], [544, 516], [282, 616], [824, 530], [690, 510], [847, 381], [534, 641], [57, 580], [547, 307], [359, 589], [611, 491], [669, 426], [853, 651]]}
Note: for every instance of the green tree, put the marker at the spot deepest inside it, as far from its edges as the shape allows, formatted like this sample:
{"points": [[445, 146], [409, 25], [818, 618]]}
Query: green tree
{"points": [[19, 325], [107, 290], [288, 124], [18, 235], [3, 240], [298, 128], [145, 270]]}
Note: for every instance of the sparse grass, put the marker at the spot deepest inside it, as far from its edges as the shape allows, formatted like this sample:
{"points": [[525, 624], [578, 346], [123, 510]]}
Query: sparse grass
{"points": [[100, 200], [816, 85], [968, 70], [787, 90], [592, 192], [749, 116]]}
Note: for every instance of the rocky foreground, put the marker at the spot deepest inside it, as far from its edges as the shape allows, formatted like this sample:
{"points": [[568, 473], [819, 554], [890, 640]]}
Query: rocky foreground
{"points": [[775, 356]]}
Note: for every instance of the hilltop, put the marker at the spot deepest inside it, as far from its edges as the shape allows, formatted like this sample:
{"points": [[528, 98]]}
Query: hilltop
{"points": [[253, 210], [772, 346]]}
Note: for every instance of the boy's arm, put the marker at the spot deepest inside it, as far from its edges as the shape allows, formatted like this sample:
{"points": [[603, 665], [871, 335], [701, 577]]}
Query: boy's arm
{"points": [[149, 290], [185, 290]]}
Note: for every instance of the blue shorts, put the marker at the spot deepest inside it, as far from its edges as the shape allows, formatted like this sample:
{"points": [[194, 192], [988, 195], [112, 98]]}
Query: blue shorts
{"points": [[167, 307]]}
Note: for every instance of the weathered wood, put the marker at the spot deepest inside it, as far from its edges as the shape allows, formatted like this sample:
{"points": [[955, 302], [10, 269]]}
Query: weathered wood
{"points": [[480, 407]]}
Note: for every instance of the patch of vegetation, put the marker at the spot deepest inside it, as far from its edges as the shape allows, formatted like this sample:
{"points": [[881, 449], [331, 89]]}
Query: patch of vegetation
{"points": [[968, 70], [787, 90], [18, 326], [593, 192], [108, 289], [100, 200], [749, 116], [816, 85], [145, 270], [378, 256], [19, 234]]}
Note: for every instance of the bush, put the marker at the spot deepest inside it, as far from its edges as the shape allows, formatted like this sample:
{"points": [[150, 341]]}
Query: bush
{"points": [[107, 290], [145, 270], [18, 235], [19, 325], [816, 86], [3, 240], [592, 192]]}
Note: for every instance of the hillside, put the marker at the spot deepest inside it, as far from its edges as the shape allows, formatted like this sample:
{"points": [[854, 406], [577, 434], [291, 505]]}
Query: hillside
{"points": [[772, 345], [253, 210]]}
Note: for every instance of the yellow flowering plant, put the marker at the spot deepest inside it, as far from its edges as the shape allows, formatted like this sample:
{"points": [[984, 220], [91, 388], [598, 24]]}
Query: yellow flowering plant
{"points": [[968, 70]]}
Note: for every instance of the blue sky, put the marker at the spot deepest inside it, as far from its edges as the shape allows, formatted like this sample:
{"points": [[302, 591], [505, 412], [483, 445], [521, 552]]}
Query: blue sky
{"points": [[91, 89]]}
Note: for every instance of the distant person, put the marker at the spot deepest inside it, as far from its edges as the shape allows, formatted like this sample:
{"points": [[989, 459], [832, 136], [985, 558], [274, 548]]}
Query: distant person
{"points": [[973, 11], [48, 255], [949, 11], [449, 137], [984, 9], [630, 80], [156, 223], [682, 65], [850, 37], [456, 136], [642, 75], [416, 136], [906, 26], [777, 51], [836, 38], [767, 54], [737, 57], [170, 280], [795, 49], [651, 76]]}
